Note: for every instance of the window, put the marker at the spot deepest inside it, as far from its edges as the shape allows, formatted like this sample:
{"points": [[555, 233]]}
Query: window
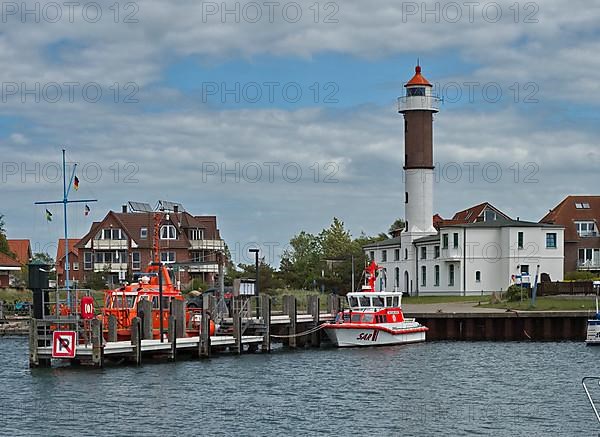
{"points": [[136, 262], [143, 233], [451, 275], [372, 255], [551, 240], [368, 318], [405, 253], [112, 256], [524, 269], [353, 301], [423, 276], [455, 240], [110, 234], [445, 241], [378, 301], [520, 240], [436, 272], [365, 301], [489, 216], [423, 252], [396, 254], [196, 234], [586, 229], [384, 256], [87, 260], [167, 232], [167, 257], [436, 252], [75, 266], [582, 205], [406, 197], [397, 277], [416, 91], [477, 276], [198, 256]]}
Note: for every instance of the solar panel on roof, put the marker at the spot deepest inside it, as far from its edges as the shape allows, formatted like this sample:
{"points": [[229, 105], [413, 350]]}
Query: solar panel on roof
{"points": [[166, 205], [139, 207]]}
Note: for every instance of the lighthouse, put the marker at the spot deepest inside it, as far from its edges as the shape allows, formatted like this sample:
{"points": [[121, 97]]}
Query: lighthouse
{"points": [[418, 106]]}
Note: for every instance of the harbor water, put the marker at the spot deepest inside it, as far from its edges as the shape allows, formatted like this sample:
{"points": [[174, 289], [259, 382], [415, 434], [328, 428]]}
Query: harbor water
{"points": [[437, 388]]}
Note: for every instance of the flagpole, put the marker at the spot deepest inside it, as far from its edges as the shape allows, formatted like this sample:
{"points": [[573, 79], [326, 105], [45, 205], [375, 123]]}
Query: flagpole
{"points": [[65, 194], [65, 201]]}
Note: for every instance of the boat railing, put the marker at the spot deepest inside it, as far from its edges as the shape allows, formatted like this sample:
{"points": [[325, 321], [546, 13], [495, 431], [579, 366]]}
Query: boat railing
{"points": [[589, 396]]}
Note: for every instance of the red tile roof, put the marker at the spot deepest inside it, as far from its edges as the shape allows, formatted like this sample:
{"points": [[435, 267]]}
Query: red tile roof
{"points": [[7, 261], [566, 213], [21, 248], [469, 215], [60, 252]]}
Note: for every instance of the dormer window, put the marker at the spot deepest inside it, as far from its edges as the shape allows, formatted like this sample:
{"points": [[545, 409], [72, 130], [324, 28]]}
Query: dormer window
{"points": [[415, 91], [196, 234], [143, 233], [167, 232]]}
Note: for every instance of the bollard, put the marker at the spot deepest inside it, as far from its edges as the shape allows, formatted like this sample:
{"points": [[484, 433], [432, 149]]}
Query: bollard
{"points": [[97, 344], [172, 335], [136, 339], [266, 314], [112, 328], [314, 310], [144, 311], [290, 308]]}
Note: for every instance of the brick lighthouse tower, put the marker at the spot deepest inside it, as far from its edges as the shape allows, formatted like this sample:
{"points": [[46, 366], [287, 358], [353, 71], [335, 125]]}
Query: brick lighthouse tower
{"points": [[418, 107]]}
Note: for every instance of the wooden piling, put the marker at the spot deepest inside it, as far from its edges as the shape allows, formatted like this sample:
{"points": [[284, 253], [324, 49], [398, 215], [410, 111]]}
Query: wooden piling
{"points": [[178, 312], [266, 315], [237, 331], [145, 313], [314, 310], [204, 343], [290, 306], [172, 336], [97, 343], [136, 339], [33, 344], [333, 304], [112, 328]]}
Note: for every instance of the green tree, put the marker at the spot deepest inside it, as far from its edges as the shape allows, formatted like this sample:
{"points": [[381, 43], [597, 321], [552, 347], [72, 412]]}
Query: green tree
{"points": [[300, 262], [398, 224], [4, 248]]}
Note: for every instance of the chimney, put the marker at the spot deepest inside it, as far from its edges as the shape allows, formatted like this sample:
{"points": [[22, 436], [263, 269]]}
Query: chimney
{"points": [[175, 209], [124, 209]]}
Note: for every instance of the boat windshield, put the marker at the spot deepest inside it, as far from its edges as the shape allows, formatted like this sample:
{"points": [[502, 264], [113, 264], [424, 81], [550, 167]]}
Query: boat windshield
{"points": [[378, 301], [353, 301], [388, 301], [355, 317], [120, 301], [396, 301], [365, 301]]}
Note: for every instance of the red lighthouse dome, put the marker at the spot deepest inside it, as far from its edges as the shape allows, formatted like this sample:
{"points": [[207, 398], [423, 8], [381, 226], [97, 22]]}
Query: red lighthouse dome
{"points": [[418, 79]]}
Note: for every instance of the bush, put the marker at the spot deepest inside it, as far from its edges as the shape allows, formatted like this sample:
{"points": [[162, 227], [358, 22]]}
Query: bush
{"points": [[514, 292], [579, 276], [197, 284]]}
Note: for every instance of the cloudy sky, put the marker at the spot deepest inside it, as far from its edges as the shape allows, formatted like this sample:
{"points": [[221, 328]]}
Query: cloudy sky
{"points": [[277, 116]]}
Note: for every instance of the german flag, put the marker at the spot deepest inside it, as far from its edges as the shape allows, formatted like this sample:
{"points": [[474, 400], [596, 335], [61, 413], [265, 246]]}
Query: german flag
{"points": [[76, 183]]}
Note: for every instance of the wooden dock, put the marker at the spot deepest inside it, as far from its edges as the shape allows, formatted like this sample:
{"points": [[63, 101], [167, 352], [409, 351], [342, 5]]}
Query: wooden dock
{"points": [[250, 328]]}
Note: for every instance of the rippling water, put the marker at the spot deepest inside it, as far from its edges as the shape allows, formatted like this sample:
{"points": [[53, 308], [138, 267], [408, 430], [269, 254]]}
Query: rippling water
{"points": [[449, 388]]}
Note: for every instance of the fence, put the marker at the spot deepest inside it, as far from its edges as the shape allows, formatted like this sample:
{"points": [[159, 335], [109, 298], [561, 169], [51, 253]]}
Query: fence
{"points": [[568, 288]]}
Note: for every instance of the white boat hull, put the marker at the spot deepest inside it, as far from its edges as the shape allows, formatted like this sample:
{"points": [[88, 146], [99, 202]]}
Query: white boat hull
{"points": [[593, 332], [374, 336]]}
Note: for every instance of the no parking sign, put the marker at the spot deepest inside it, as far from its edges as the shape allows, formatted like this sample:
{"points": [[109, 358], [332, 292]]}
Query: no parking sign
{"points": [[63, 344]]}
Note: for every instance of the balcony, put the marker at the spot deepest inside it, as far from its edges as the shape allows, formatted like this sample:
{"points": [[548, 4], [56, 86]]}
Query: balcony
{"points": [[111, 267], [203, 268], [452, 254], [423, 103], [207, 244], [110, 244], [588, 264], [588, 234]]}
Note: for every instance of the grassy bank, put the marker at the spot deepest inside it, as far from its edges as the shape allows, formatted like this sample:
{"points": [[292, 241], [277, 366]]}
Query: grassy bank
{"points": [[11, 295], [443, 299], [554, 303]]}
